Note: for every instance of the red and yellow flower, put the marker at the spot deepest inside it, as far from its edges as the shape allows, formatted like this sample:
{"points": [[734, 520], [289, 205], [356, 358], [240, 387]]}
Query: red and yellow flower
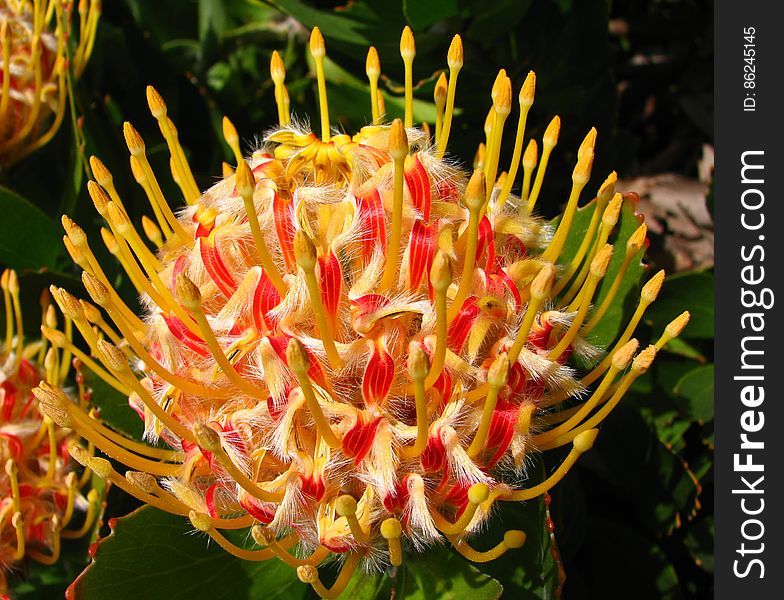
{"points": [[350, 345]]}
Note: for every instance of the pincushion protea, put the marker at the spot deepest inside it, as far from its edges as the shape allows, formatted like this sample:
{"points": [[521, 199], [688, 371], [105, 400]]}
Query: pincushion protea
{"points": [[350, 345], [37, 53], [39, 487]]}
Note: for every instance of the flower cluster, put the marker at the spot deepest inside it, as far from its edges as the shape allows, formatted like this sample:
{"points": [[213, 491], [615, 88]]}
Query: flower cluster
{"points": [[39, 487], [37, 53], [350, 345]]}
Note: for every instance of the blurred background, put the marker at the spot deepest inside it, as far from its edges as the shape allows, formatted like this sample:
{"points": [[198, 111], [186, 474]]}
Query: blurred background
{"points": [[635, 519]]}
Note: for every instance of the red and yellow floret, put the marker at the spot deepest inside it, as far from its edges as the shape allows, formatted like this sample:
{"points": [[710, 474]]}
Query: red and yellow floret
{"points": [[350, 344], [40, 48], [41, 492]]}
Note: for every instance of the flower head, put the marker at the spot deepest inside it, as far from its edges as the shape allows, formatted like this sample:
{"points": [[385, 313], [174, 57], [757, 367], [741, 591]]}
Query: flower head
{"points": [[350, 344], [40, 491], [37, 53]]}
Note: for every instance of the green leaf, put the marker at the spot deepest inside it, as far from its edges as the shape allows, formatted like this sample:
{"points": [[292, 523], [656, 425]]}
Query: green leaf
{"points": [[627, 295], [333, 25], [696, 390], [685, 291], [437, 574], [424, 14], [114, 407], [28, 238], [153, 554]]}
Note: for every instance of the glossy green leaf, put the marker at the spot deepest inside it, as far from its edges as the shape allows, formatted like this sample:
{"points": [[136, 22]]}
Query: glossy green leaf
{"points": [[114, 407], [152, 554], [685, 291], [28, 238], [423, 14], [696, 390]]}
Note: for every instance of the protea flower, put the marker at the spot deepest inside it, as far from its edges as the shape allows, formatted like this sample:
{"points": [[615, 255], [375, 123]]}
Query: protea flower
{"points": [[350, 344], [39, 486], [38, 49]]}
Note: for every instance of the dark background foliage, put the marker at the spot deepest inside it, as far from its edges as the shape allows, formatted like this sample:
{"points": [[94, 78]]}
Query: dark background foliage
{"points": [[635, 518]]}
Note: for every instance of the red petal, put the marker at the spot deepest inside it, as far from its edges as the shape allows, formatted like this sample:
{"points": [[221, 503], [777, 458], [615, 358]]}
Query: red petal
{"points": [[377, 380], [434, 456], [9, 400], [256, 510], [283, 211], [461, 326], [265, 298], [373, 221], [422, 249], [185, 335], [216, 268], [359, 439], [330, 281], [486, 238], [279, 344], [418, 184]]}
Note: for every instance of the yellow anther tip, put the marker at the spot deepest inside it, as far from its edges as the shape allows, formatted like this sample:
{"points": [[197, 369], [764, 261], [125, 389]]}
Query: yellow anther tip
{"points": [[478, 493], [644, 359], [372, 63], [398, 140], [474, 197], [96, 289], [650, 291], [502, 96], [277, 68], [100, 172], [201, 521], [407, 45], [417, 361], [676, 326], [156, 103], [101, 466], [439, 94], [188, 293], [307, 573], [17, 521], [528, 90], [297, 357], [345, 505], [552, 132], [454, 57], [114, 357], [623, 356], [499, 371], [317, 46], [143, 481], [582, 170], [207, 437], [246, 182], [230, 132], [58, 338], [601, 261], [391, 529], [613, 211], [543, 282], [261, 535], [607, 188], [584, 441], [514, 538], [637, 239], [531, 155], [305, 252], [133, 140], [441, 272]]}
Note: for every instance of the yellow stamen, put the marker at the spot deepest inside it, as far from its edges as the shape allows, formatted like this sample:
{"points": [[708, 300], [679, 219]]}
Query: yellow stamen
{"points": [[502, 106], [18, 524], [580, 176], [582, 443], [440, 279], [203, 522], [513, 538], [232, 138], [265, 538], [496, 378], [526, 100], [246, 184], [346, 506], [398, 150], [633, 245], [152, 231], [373, 71], [391, 531], [598, 269], [12, 470], [673, 329], [299, 363], [417, 370], [9, 313], [93, 506], [549, 140], [181, 169], [49, 559], [318, 50], [474, 199], [407, 52], [454, 59], [306, 256], [477, 494], [439, 98], [541, 288], [309, 574]]}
